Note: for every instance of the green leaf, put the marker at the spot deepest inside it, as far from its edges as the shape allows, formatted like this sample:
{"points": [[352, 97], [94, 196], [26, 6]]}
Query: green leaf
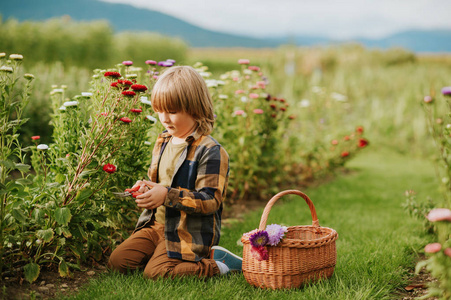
{"points": [[7, 163], [45, 234], [24, 181], [63, 215], [66, 232], [63, 269], [83, 194], [60, 178], [31, 272], [19, 216], [87, 173], [22, 167]]}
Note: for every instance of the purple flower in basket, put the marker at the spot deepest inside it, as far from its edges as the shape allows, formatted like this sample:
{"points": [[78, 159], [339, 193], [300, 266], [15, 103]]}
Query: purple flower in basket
{"points": [[259, 239], [275, 233]]}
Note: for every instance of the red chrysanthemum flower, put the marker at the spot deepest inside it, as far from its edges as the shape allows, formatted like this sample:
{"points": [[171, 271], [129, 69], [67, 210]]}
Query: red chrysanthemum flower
{"points": [[35, 137], [114, 84], [139, 87], [359, 130], [283, 109], [363, 143], [109, 168], [346, 138], [128, 93], [112, 74], [125, 120], [344, 154], [136, 110]]}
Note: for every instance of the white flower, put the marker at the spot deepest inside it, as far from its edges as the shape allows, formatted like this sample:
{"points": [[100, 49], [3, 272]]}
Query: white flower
{"points": [[6, 69], [58, 91], [247, 72], [304, 103], [64, 86], [448, 126], [147, 143], [211, 83], [339, 97], [86, 94], [152, 119], [42, 147], [224, 77], [131, 76], [317, 89], [95, 76], [220, 82], [2, 54], [16, 57], [205, 74], [70, 103], [63, 108], [144, 100], [28, 76], [244, 99], [223, 97]]}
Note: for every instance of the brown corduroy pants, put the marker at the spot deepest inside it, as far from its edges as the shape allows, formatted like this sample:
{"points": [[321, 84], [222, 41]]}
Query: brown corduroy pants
{"points": [[146, 249]]}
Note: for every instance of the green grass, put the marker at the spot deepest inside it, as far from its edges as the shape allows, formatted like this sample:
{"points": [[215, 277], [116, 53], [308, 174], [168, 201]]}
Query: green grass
{"points": [[376, 248]]}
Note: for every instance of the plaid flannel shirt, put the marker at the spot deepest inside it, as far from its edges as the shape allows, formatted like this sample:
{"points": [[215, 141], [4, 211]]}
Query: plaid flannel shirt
{"points": [[194, 200]]}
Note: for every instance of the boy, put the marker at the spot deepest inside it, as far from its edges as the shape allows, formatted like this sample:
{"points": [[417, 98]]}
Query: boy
{"points": [[181, 222]]}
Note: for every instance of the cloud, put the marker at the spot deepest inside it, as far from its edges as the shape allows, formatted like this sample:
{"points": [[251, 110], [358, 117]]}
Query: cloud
{"points": [[336, 19]]}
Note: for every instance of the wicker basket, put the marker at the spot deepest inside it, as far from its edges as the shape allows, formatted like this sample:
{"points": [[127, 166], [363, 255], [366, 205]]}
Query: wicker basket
{"points": [[305, 254]]}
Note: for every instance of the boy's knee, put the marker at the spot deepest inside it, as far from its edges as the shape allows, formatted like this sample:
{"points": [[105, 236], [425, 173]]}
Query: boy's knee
{"points": [[154, 272]]}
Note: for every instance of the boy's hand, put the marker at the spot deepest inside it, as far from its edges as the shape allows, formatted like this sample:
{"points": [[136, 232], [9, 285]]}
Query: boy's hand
{"points": [[152, 198]]}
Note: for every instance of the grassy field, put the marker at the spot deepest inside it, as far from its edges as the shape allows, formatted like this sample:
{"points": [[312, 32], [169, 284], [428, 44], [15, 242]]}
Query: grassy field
{"points": [[377, 246]]}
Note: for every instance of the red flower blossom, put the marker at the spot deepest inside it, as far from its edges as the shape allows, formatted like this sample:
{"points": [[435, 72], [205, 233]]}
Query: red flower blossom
{"points": [[254, 68], [125, 120], [136, 110], [259, 253], [128, 93], [292, 117], [363, 143], [346, 138], [139, 87], [344, 153], [114, 84], [273, 106], [334, 142], [112, 74], [104, 114], [125, 82], [109, 168], [283, 109], [35, 137], [359, 130]]}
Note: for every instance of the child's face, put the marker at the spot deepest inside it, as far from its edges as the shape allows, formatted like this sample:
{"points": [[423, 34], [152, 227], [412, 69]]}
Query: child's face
{"points": [[178, 124]]}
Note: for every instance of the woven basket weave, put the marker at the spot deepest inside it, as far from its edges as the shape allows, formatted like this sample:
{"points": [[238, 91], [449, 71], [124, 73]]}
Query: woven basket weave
{"points": [[306, 253]]}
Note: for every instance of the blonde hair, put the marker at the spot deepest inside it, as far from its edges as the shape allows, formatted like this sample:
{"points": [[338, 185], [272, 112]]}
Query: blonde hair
{"points": [[182, 89]]}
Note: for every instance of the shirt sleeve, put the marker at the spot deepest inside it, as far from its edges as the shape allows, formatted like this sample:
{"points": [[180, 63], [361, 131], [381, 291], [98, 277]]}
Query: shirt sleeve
{"points": [[210, 186]]}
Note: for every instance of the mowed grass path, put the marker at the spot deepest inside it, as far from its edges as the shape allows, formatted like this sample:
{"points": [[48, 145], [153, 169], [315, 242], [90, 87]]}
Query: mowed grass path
{"points": [[377, 243]]}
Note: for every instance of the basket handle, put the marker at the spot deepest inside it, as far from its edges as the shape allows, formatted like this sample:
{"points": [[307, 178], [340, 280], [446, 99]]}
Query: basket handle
{"points": [[276, 197]]}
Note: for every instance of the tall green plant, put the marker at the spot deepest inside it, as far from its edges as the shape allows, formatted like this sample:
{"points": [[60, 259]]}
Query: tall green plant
{"points": [[12, 104]]}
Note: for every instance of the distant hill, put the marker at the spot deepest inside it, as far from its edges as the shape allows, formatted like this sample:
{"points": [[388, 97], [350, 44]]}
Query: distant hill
{"points": [[124, 17]]}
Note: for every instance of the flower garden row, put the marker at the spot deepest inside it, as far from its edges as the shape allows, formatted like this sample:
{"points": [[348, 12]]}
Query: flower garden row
{"points": [[65, 212], [438, 213]]}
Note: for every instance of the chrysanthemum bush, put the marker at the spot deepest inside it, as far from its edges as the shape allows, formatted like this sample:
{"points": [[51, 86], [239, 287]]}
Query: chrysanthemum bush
{"points": [[66, 212], [437, 213], [262, 134]]}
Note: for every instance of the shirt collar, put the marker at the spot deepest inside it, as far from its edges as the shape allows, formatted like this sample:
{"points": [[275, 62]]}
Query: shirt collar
{"points": [[189, 139]]}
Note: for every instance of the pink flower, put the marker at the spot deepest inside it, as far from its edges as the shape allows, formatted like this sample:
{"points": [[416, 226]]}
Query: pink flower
{"points": [[258, 111], [259, 253], [239, 112], [344, 154], [447, 252], [237, 92], [254, 68], [439, 214], [427, 99], [243, 61], [248, 234], [35, 137], [109, 168], [127, 63], [253, 96], [334, 142], [151, 62], [433, 248]]}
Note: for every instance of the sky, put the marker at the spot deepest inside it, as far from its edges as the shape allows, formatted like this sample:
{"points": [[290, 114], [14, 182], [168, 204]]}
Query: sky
{"points": [[327, 18]]}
